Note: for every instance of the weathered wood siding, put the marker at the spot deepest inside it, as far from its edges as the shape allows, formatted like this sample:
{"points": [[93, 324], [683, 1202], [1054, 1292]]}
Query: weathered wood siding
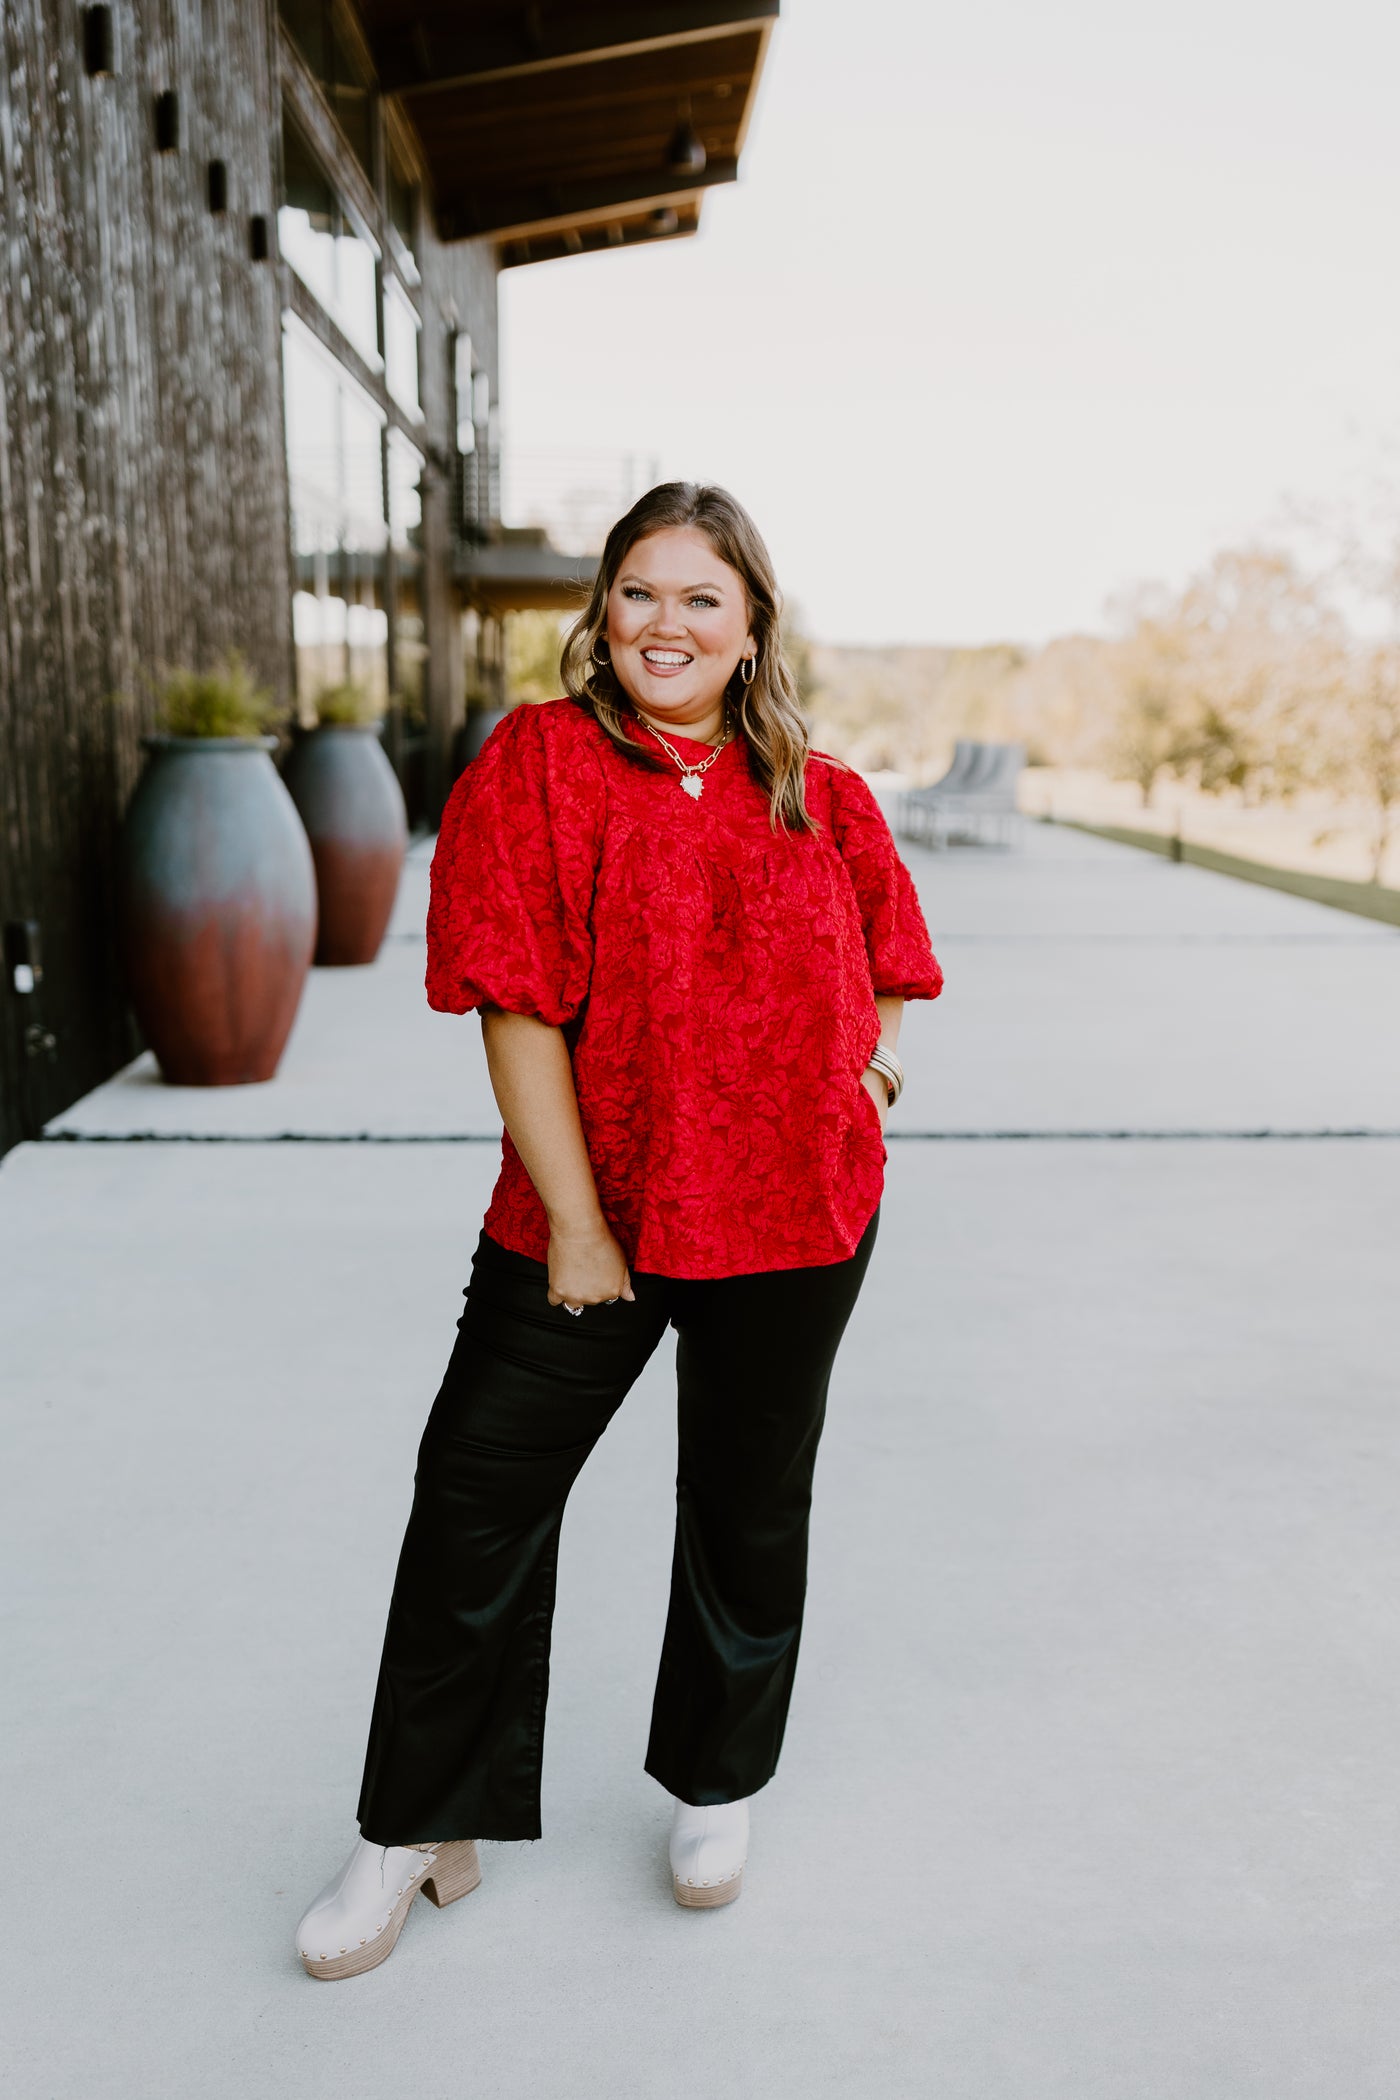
{"points": [[142, 473]]}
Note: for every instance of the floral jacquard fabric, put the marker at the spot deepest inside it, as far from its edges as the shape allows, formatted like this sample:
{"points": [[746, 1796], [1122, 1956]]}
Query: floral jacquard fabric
{"points": [[715, 982]]}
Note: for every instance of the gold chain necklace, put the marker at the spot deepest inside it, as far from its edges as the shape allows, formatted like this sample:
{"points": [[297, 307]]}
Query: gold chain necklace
{"points": [[690, 774]]}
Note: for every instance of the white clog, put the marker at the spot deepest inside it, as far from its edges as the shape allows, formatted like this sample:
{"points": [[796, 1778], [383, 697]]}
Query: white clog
{"points": [[354, 1922], [708, 1850]]}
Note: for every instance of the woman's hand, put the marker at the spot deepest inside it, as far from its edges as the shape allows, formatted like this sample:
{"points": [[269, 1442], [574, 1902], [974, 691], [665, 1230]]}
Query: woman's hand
{"points": [[875, 1086], [532, 1075], [587, 1266]]}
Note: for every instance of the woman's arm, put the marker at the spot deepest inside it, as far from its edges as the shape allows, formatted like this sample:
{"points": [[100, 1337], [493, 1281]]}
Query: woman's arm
{"points": [[891, 1012], [533, 1081]]}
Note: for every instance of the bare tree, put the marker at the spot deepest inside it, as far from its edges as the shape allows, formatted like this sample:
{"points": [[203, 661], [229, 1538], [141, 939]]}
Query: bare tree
{"points": [[1370, 567], [1359, 740], [1262, 644], [1147, 729], [1149, 736]]}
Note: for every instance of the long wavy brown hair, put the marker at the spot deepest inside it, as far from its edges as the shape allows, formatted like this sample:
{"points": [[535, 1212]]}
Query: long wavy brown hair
{"points": [[766, 712]]}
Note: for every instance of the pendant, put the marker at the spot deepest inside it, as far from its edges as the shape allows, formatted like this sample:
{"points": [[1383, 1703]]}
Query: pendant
{"points": [[693, 784]]}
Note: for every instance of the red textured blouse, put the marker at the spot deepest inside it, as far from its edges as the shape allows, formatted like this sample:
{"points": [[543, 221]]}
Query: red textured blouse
{"points": [[715, 981]]}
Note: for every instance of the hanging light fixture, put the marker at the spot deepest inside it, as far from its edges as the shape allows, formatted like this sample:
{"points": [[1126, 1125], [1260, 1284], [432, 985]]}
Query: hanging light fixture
{"points": [[686, 152]]}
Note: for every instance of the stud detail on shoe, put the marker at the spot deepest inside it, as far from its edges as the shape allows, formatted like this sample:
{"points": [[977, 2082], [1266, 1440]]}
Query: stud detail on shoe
{"points": [[708, 1849], [360, 1895]]}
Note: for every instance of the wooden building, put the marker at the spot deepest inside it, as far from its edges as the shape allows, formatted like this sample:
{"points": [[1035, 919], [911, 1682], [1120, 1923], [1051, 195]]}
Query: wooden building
{"points": [[249, 384]]}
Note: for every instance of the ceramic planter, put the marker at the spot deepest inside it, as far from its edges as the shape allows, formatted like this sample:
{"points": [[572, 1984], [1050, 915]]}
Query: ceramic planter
{"points": [[217, 908], [473, 733], [352, 807]]}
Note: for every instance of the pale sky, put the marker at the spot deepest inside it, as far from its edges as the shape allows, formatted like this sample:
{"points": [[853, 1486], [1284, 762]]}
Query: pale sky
{"points": [[1013, 304]]}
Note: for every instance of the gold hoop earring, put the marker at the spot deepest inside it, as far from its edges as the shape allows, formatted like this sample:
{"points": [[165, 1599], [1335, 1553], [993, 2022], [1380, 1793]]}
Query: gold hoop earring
{"points": [[751, 673], [605, 661]]}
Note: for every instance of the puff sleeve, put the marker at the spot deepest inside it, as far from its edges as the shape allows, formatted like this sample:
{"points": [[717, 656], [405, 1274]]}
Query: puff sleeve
{"points": [[902, 962], [512, 878]]}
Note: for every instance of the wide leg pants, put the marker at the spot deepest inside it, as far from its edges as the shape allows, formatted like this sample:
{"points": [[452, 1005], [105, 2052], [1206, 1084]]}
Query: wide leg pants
{"points": [[457, 1731]]}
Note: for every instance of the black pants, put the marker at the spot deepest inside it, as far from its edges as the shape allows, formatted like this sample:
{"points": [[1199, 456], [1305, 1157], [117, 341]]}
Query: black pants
{"points": [[457, 1731]]}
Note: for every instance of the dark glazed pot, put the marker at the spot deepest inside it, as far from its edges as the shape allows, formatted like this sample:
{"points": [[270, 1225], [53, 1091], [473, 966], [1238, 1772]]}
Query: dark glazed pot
{"points": [[479, 727], [469, 736], [352, 806], [217, 908]]}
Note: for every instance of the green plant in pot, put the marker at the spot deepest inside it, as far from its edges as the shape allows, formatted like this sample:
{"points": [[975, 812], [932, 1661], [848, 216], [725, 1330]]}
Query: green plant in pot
{"points": [[223, 703], [353, 809], [349, 705], [216, 894]]}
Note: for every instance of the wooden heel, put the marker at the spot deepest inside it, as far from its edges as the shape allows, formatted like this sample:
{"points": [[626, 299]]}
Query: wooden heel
{"points": [[456, 1872], [707, 1895]]}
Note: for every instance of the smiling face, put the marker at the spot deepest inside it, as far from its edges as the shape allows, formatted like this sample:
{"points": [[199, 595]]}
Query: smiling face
{"points": [[678, 623]]}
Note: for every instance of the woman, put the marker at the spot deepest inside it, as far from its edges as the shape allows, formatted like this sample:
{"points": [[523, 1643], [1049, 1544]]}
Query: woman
{"points": [[689, 939]]}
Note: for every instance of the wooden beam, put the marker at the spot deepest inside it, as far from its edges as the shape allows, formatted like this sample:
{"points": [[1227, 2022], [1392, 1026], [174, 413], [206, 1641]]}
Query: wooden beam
{"points": [[752, 96], [598, 238], [603, 122], [416, 58], [513, 217], [512, 578]]}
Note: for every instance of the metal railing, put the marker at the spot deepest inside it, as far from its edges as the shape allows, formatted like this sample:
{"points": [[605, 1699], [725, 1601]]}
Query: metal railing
{"points": [[572, 494], [478, 491]]}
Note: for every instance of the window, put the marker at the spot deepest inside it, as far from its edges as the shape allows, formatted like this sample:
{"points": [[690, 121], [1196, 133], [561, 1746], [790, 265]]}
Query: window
{"points": [[403, 214], [406, 536], [462, 392], [405, 495], [340, 620], [401, 325], [318, 30], [355, 482], [331, 256]]}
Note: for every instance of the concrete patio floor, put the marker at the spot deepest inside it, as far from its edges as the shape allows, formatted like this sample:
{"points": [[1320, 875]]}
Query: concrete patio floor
{"points": [[1090, 1786]]}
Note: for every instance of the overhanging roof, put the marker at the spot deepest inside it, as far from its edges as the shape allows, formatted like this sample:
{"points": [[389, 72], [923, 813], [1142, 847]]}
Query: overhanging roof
{"points": [[524, 575], [547, 128]]}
